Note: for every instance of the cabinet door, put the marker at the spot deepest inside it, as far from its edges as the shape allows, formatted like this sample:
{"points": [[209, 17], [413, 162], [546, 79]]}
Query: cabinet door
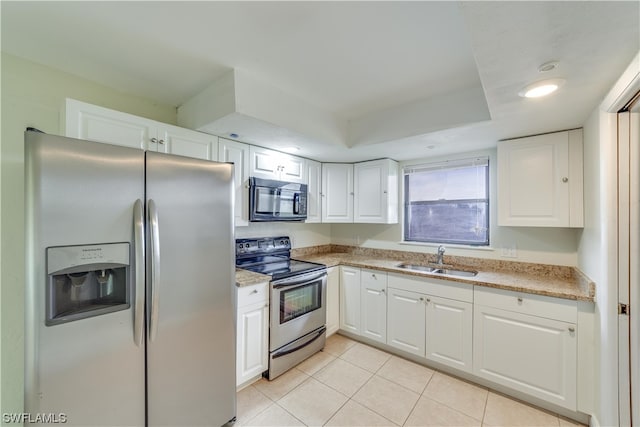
{"points": [[292, 169], [406, 321], [373, 304], [188, 143], [94, 123], [264, 163], [531, 354], [375, 192], [252, 342], [535, 181], [314, 183], [350, 299], [449, 332], [238, 154], [333, 300], [337, 192]]}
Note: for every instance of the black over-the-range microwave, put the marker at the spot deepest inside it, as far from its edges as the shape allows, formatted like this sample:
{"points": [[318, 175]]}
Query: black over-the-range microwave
{"points": [[271, 200]]}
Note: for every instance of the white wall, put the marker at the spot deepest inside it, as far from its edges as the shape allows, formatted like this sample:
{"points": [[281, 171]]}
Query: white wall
{"points": [[302, 235], [33, 95], [556, 246]]}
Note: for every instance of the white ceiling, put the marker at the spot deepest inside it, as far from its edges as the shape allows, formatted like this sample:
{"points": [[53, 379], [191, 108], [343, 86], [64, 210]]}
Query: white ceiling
{"points": [[363, 63]]}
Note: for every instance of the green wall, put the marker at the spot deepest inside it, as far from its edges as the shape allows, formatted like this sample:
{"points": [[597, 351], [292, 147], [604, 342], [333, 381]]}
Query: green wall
{"points": [[33, 95]]}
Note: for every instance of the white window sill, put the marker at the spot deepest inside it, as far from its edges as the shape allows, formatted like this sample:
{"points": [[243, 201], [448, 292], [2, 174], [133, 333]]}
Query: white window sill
{"points": [[448, 245]]}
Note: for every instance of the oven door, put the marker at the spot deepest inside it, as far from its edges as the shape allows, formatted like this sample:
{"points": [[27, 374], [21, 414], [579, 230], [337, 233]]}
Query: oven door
{"points": [[297, 307]]}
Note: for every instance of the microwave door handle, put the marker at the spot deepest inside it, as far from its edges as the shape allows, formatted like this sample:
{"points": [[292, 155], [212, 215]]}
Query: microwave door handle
{"points": [[296, 203], [138, 247], [277, 205]]}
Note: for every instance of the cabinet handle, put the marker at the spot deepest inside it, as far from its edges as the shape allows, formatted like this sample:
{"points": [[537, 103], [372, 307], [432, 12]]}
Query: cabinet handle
{"points": [[384, 192], [351, 193], [572, 329], [382, 291], [161, 141], [154, 140], [519, 300], [422, 299], [565, 179], [255, 291], [428, 300]]}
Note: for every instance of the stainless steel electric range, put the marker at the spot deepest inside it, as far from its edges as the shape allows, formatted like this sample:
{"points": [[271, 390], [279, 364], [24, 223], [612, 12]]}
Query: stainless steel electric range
{"points": [[297, 301]]}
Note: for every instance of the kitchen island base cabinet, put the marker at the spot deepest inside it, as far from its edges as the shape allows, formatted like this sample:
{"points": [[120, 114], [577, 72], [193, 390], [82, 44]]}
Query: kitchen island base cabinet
{"points": [[531, 354], [252, 342]]}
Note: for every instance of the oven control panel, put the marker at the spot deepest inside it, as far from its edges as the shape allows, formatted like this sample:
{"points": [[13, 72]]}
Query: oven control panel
{"points": [[262, 245]]}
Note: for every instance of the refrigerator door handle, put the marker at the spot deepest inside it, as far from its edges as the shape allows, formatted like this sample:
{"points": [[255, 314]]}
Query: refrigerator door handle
{"points": [[138, 242], [155, 268]]}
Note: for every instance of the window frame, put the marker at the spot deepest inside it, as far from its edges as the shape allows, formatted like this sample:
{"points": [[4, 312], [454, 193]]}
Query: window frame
{"points": [[448, 164]]}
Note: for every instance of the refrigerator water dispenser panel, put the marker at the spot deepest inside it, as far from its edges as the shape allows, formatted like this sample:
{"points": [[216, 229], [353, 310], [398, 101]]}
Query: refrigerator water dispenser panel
{"points": [[86, 281]]}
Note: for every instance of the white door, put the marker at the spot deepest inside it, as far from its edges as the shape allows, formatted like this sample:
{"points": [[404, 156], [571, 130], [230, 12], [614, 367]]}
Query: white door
{"points": [[94, 123], [238, 154], [406, 321], [628, 272], [264, 163], [533, 175], [450, 332], [373, 305], [292, 169], [333, 300], [337, 192], [527, 353], [188, 143], [370, 192], [314, 191], [252, 342], [350, 299]]}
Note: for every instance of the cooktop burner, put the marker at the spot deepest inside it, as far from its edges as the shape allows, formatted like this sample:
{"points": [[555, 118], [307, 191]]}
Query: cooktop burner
{"points": [[271, 256]]}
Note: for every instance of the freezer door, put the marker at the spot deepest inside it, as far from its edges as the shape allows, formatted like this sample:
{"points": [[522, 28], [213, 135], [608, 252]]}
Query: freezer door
{"points": [[80, 200], [190, 292]]}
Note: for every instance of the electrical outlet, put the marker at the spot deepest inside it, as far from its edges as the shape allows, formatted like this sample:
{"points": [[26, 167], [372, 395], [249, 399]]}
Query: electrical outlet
{"points": [[510, 251]]}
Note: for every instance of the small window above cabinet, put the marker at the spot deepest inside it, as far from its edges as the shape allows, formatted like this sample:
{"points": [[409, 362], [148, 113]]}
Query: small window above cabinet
{"points": [[540, 180], [271, 164]]}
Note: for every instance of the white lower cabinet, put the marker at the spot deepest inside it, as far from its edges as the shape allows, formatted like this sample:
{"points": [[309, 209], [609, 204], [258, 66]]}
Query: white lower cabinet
{"points": [[333, 300], [350, 299], [535, 354], [252, 341], [450, 332], [373, 304], [406, 321]]}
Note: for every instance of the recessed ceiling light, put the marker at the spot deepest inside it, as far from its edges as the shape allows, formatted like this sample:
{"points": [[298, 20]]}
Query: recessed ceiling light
{"points": [[541, 88]]}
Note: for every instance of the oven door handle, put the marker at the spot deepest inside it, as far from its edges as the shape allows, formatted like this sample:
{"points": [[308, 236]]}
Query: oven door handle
{"points": [[285, 283], [286, 350]]}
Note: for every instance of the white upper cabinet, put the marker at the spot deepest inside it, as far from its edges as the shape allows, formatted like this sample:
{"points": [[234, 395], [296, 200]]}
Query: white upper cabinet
{"points": [[313, 172], [540, 180], [337, 192], [94, 123], [271, 164], [376, 192], [238, 154]]}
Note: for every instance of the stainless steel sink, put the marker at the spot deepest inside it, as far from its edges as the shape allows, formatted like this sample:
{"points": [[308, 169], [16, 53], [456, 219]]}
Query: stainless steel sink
{"points": [[418, 267], [451, 272], [436, 270]]}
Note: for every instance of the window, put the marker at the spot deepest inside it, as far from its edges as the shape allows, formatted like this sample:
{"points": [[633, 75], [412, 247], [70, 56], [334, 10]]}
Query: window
{"points": [[447, 202]]}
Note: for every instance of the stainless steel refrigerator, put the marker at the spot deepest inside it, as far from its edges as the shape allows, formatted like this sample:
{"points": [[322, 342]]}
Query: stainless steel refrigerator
{"points": [[130, 286]]}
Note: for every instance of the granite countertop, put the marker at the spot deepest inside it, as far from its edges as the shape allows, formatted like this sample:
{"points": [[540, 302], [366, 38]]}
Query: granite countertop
{"points": [[561, 282], [248, 278]]}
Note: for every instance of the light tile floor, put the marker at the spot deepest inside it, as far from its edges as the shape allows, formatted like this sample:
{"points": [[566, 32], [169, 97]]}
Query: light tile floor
{"points": [[352, 384]]}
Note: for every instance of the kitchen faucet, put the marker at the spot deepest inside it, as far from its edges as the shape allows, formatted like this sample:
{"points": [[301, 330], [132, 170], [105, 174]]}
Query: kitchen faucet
{"points": [[440, 254]]}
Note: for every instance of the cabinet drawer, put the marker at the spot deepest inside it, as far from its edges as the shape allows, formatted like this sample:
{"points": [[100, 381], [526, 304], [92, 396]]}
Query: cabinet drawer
{"points": [[373, 278], [536, 305], [253, 294], [441, 288]]}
